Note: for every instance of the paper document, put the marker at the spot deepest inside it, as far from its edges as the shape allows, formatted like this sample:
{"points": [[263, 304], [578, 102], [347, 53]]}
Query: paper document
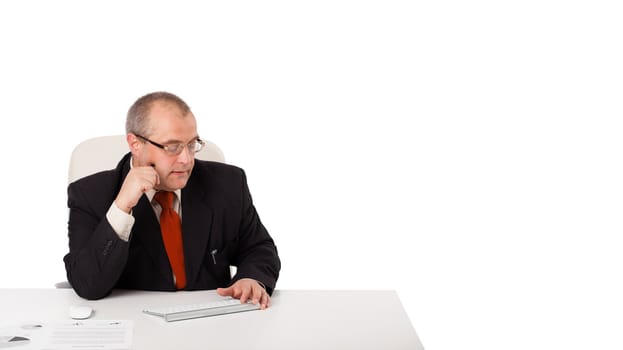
{"points": [[68, 335]]}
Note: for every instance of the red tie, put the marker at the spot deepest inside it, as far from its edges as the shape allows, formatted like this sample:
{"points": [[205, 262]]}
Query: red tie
{"points": [[171, 229]]}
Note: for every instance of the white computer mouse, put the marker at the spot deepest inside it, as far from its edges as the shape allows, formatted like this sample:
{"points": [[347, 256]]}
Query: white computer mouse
{"points": [[80, 312]]}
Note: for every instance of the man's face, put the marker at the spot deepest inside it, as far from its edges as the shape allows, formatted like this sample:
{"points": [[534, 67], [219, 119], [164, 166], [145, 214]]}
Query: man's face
{"points": [[168, 126]]}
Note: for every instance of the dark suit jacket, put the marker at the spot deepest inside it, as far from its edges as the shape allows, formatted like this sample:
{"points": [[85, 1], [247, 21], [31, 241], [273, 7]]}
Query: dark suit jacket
{"points": [[220, 227]]}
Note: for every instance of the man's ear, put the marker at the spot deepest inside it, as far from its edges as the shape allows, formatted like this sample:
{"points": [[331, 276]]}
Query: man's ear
{"points": [[133, 143]]}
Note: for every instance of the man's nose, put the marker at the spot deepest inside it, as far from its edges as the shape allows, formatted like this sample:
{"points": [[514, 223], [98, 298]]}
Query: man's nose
{"points": [[185, 156]]}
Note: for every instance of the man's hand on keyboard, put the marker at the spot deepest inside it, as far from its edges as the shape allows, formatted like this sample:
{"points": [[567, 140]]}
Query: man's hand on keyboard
{"points": [[247, 289]]}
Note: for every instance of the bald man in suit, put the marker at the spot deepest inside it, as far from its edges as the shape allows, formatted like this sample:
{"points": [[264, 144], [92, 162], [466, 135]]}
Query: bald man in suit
{"points": [[115, 236]]}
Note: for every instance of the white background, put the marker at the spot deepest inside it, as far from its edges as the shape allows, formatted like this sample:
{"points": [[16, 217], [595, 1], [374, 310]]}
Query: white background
{"points": [[464, 153]]}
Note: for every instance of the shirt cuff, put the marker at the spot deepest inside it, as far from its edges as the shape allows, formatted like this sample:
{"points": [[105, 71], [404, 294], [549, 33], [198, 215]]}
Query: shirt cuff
{"points": [[120, 221]]}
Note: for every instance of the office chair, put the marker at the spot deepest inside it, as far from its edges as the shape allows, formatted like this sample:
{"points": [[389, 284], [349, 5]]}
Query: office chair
{"points": [[104, 152]]}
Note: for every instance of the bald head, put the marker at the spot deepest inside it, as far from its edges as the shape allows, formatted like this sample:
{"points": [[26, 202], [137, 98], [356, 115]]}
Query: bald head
{"points": [[137, 121]]}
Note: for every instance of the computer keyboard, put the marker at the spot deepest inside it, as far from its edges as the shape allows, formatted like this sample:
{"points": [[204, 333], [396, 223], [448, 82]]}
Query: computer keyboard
{"points": [[184, 312]]}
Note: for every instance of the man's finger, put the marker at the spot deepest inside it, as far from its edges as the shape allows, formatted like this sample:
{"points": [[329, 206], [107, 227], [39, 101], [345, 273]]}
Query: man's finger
{"points": [[245, 294], [264, 301], [257, 293], [224, 292]]}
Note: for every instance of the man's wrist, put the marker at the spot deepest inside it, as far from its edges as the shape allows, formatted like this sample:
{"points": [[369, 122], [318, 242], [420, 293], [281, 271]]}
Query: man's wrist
{"points": [[261, 285], [125, 208]]}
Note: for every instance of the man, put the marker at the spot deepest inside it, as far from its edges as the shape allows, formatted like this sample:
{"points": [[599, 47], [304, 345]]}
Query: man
{"points": [[124, 224]]}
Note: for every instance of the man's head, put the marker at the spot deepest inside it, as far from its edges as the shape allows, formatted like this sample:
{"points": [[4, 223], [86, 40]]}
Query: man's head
{"points": [[158, 120]]}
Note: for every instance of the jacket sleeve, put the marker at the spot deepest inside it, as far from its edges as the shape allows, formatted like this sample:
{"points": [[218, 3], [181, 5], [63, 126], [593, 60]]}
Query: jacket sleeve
{"points": [[97, 256], [257, 256]]}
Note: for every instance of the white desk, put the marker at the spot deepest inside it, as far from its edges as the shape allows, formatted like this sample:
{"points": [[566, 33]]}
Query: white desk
{"points": [[296, 319]]}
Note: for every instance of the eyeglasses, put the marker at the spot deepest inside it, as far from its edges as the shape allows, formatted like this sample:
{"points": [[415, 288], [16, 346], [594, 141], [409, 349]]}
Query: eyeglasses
{"points": [[174, 149]]}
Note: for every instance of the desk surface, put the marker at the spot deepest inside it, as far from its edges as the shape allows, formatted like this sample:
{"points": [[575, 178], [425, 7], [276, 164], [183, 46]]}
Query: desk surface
{"points": [[297, 319]]}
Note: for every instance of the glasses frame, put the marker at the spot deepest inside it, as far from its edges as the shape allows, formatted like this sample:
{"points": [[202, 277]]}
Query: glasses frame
{"points": [[166, 147]]}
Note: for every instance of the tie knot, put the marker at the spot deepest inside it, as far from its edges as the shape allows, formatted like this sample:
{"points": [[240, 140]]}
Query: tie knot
{"points": [[165, 199]]}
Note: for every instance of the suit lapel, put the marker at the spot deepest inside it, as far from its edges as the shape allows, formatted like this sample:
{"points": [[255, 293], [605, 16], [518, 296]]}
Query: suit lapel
{"points": [[196, 225], [147, 231]]}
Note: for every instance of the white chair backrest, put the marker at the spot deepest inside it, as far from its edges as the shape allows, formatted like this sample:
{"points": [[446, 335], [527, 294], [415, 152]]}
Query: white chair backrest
{"points": [[103, 153]]}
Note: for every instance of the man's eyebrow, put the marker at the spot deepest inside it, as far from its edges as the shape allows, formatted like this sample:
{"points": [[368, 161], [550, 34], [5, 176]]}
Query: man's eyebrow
{"points": [[178, 141]]}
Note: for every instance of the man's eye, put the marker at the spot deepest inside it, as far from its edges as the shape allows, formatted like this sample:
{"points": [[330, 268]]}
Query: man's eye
{"points": [[174, 148]]}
